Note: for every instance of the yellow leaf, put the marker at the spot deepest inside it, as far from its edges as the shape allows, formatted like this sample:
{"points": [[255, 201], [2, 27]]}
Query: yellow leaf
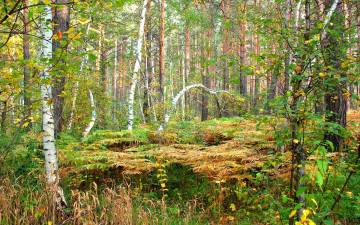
{"points": [[47, 2], [322, 74], [231, 218], [257, 72], [49, 223], [75, 36], [71, 29], [163, 185], [305, 214], [310, 222], [347, 95], [26, 124], [83, 21], [315, 203], [292, 213], [296, 141]]}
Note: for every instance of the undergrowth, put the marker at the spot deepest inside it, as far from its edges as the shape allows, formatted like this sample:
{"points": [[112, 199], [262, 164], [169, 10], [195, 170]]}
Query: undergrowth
{"points": [[224, 171]]}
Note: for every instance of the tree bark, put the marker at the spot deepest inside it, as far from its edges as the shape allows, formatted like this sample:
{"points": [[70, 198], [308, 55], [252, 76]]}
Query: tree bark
{"points": [[61, 25], [205, 67], [51, 159], [136, 67], [162, 50], [243, 50], [148, 71], [26, 53], [226, 43], [93, 116], [335, 102]]}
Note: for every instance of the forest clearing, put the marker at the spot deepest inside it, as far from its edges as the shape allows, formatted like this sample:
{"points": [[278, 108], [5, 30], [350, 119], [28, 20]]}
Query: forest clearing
{"points": [[180, 112]]}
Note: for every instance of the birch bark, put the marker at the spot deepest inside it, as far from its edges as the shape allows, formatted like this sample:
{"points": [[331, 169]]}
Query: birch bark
{"points": [[93, 116], [51, 159], [136, 67]]}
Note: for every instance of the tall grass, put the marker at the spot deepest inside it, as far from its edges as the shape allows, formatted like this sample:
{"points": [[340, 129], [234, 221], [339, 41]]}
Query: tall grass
{"points": [[27, 204]]}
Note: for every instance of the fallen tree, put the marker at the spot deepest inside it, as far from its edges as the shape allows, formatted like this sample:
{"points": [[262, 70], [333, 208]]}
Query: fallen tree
{"points": [[181, 93]]}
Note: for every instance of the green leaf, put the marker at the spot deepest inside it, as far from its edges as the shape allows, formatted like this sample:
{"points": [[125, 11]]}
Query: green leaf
{"points": [[284, 199], [92, 56], [322, 166], [30, 15], [298, 206], [232, 207], [300, 191], [330, 144], [319, 180], [228, 25], [322, 151]]}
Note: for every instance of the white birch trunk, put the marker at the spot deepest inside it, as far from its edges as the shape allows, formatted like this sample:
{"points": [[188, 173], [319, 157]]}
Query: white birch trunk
{"points": [[48, 120], [93, 116], [181, 93], [183, 77], [328, 17], [136, 67], [51, 159]]}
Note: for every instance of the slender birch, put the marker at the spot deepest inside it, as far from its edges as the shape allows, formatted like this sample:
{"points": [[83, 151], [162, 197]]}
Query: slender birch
{"points": [[136, 67], [93, 116], [51, 158], [181, 93]]}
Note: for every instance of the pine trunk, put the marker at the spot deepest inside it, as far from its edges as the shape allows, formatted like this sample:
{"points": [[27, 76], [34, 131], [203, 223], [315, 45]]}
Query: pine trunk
{"points": [[61, 26]]}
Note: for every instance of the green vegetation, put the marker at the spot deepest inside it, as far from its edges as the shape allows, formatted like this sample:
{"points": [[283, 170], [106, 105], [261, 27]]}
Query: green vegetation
{"points": [[219, 171]]}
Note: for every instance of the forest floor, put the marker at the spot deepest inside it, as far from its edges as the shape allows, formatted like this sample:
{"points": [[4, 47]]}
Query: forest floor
{"points": [[222, 149], [221, 171]]}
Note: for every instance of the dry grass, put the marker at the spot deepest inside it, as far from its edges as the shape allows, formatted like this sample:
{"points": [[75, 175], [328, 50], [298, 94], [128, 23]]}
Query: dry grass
{"points": [[21, 204]]}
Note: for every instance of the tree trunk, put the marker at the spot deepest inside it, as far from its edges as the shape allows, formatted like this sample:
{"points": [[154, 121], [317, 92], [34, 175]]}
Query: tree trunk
{"points": [[335, 102], [136, 67], [93, 116], [243, 49], [162, 50], [61, 25], [148, 71], [205, 68], [51, 159], [226, 42], [26, 52]]}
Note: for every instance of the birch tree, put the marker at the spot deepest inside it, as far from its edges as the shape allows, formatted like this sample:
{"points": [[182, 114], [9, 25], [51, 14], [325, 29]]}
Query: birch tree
{"points": [[51, 158], [136, 66]]}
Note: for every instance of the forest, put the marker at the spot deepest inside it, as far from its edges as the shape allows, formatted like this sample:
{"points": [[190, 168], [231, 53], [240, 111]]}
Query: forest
{"points": [[180, 112]]}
